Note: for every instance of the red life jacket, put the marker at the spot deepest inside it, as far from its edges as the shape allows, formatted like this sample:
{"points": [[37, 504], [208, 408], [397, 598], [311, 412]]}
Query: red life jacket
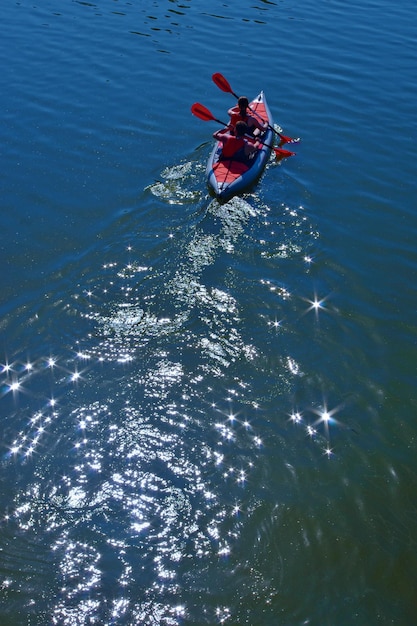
{"points": [[237, 117], [232, 145]]}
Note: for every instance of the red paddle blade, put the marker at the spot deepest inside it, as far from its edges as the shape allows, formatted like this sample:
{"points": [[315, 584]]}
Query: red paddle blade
{"points": [[283, 154], [284, 139], [199, 110], [222, 83], [202, 112]]}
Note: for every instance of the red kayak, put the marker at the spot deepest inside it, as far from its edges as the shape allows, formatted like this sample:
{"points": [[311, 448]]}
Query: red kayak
{"points": [[226, 178]]}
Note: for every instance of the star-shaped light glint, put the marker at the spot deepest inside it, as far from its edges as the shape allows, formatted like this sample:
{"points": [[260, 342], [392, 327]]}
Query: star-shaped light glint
{"points": [[51, 362], [276, 323], [328, 452], [6, 368], [316, 305], [75, 376], [325, 416]]}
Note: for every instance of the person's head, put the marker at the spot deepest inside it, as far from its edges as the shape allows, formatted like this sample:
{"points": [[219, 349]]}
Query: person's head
{"points": [[241, 129], [243, 103]]}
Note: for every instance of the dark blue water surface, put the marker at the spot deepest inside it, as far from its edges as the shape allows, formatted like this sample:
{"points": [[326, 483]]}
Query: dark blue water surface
{"points": [[207, 411]]}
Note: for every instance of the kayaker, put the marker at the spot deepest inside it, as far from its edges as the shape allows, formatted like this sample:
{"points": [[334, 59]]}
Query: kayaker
{"points": [[236, 147], [240, 113]]}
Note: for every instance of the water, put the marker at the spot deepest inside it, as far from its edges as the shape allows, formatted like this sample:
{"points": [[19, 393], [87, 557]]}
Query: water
{"points": [[207, 411]]}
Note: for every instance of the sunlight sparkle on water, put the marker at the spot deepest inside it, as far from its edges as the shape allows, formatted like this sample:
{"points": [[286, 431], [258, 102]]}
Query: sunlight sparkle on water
{"points": [[276, 323], [296, 417], [6, 368], [219, 458], [29, 451], [6, 583], [36, 418], [223, 614], [325, 416], [75, 376], [316, 305], [83, 356], [180, 610], [311, 431]]}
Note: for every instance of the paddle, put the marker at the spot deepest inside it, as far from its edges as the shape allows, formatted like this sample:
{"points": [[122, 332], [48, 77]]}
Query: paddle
{"points": [[203, 113], [224, 85]]}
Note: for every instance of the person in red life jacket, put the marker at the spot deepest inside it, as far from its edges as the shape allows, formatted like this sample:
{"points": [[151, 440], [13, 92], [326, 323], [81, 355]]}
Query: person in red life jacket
{"points": [[240, 113], [236, 147]]}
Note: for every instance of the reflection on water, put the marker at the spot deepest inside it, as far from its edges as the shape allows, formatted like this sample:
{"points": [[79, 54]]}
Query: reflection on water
{"points": [[136, 457], [128, 493]]}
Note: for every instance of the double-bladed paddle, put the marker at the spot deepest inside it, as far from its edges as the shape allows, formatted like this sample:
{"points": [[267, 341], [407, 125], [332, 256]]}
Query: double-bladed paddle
{"points": [[223, 84], [203, 113]]}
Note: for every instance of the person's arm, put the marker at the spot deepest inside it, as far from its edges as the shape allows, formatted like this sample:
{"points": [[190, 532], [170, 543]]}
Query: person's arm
{"points": [[222, 134], [251, 147]]}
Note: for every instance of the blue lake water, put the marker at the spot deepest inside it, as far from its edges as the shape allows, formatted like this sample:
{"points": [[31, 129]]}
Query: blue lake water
{"points": [[207, 411]]}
